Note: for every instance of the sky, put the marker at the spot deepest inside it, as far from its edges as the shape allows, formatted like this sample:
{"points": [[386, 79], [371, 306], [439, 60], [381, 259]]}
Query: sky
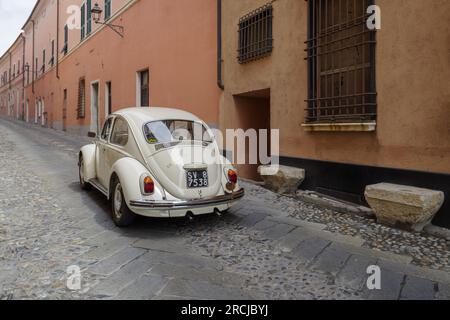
{"points": [[13, 15]]}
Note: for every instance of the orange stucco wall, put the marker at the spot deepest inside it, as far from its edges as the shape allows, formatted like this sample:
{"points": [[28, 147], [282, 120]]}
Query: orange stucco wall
{"points": [[412, 76]]}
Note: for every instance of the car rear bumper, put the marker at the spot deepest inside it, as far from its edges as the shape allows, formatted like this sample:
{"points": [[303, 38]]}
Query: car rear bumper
{"points": [[189, 204]]}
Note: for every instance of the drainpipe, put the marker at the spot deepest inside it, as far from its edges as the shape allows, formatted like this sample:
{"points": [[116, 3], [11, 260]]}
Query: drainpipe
{"points": [[57, 39], [219, 45], [10, 69], [33, 61], [23, 76]]}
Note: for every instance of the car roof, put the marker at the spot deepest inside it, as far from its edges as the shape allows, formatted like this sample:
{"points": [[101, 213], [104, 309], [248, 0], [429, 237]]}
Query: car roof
{"points": [[143, 115]]}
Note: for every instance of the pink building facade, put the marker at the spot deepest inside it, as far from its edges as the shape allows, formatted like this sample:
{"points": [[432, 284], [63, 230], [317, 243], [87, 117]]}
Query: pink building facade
{"points": [[77, 71], [12, 80]]}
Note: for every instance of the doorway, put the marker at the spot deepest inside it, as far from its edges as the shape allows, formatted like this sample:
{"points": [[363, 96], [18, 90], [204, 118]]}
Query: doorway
{"points": [[253, 112], [94, 107], [108, 99], [143, 88]]}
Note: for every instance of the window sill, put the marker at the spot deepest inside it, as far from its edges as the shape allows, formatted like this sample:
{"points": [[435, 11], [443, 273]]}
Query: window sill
{"points": [[340, 127]]}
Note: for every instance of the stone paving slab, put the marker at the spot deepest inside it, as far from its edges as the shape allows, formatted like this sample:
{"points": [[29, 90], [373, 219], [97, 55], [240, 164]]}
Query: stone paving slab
{"points": [[121, 279], [112, 264], [170, 245], [415, 271], [144, 288], [291, 240], [277, 231], [251, 219], [418, 289], [203, 290], [353, 274], [264, 225], [331, 260], [444, 292], [187, 273], [391, 285], [309, 249], [108, 249]]}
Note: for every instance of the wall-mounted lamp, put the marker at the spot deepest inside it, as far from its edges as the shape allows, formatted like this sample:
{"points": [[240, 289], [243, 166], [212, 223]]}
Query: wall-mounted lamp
{"points": [[96, 12]]}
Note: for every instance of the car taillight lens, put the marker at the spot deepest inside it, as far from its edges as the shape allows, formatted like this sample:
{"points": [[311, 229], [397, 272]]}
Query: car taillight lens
{"points": [[149, 185], [232, 176]]}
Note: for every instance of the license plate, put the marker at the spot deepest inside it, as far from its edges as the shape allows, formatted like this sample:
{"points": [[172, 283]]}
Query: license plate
{"points": [[197, 179]]}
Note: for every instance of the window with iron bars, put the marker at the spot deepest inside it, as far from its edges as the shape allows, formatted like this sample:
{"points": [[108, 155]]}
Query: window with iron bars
{"points": [[341, 62], [256, 34], [81, 107]]}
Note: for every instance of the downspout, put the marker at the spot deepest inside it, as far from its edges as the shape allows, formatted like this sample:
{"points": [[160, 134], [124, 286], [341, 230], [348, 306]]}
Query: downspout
{"points": [[23, 76], [33, 61], [10, 69], [57, 39], [219, 45]]}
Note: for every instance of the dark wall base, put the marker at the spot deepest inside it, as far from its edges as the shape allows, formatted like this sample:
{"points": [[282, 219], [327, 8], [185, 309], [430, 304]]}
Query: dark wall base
{"points": [[348, 181]]}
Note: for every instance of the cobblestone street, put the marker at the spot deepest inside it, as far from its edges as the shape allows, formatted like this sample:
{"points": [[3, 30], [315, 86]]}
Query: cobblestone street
{"points": [[268, 247]]}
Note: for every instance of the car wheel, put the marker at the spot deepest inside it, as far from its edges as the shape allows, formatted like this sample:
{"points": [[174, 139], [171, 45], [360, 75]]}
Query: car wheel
{"points": [[84, 185], [121, 214]]}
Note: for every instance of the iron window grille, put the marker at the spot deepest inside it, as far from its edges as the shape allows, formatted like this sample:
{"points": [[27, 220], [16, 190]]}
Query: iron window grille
{"points": [[81, 107], [341, 62], [256, 34]]}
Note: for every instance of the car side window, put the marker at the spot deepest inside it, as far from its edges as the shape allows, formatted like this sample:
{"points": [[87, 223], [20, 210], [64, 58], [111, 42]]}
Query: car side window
{"points": [[119, 134], [106, 129]]}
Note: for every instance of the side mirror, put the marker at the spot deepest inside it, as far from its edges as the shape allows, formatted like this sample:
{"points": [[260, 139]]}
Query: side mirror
{"points": [[92, 135]]}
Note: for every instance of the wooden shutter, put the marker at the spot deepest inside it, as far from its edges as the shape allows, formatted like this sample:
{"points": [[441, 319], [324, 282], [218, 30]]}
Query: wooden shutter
{"points": [[81, 107]]}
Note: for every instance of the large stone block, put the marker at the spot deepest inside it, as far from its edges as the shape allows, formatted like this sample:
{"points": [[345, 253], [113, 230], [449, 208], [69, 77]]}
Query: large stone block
{"points": [[404, 207], [284, 180]]}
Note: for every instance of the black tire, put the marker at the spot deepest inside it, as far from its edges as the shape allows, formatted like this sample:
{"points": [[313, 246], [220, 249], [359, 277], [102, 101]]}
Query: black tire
{"points": [[121, 214], [83, 184]]}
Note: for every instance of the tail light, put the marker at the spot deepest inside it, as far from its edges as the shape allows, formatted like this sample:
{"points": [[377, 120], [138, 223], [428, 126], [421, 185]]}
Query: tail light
{"points": [[232, 176], [149, 185]]}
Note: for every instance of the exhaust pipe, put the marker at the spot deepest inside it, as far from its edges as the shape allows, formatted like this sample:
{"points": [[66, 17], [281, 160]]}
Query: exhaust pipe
{"points": [[190, 217]]}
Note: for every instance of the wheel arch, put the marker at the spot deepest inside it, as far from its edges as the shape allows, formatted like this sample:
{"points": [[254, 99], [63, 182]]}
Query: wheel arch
{"points": [[88, 155], [129, 172]]}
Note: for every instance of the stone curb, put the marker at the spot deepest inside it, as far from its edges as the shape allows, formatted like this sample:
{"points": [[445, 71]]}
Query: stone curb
{"points": [[334, 204]]}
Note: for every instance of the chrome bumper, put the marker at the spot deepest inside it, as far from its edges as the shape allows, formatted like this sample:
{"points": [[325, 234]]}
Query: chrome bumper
{"points": [[189, 204]]}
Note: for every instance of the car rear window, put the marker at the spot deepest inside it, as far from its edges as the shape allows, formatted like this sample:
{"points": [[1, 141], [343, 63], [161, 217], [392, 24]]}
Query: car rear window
{"points": [[170, 131]]}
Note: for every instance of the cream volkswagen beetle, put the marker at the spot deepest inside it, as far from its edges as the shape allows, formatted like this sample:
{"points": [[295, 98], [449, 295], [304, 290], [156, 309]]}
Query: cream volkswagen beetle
{"points": [[158, 162]]}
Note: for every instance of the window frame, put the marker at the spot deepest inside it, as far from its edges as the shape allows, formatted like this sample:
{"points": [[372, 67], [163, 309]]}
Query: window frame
{"points": [[139, 87], [110, 118], [255, 34], [116, 119], [314, 49]]}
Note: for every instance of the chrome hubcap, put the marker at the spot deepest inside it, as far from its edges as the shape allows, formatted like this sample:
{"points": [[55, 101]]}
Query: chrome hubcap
{"points": [[118, 201]]}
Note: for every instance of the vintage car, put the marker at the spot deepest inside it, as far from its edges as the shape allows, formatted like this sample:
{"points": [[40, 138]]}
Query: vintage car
{"points": [[158, 162]]}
